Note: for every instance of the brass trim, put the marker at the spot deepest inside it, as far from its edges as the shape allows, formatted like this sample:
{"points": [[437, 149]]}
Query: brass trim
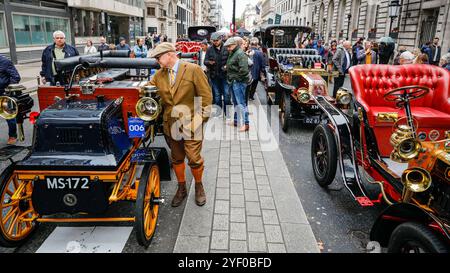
{"points": [[387, 117]]}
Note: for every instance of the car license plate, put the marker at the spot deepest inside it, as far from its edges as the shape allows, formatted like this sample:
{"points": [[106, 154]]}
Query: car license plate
{"points": [[315, 107], [67, 183], [312, 120]]}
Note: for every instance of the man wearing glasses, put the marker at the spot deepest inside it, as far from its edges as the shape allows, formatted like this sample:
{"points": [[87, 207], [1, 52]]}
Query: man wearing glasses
{"points": [[56, 51], [186, 99]]}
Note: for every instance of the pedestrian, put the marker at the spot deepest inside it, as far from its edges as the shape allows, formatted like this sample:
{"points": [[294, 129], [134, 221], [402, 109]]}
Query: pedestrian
{"points": [[257, 68], [89, 48], [140, 52], [103, 45], [385, 52], [330, 54], [421, 59], [368, 55], [149, 41], [355, 49], [342, 61], [56, 51], [216, 60], [426, 48], [406, 58], [9, 75], [435, 52], [445, 61], [401, 49], [179, 84], [238, 77], [123, 45], [320, 49], [202, 54]]}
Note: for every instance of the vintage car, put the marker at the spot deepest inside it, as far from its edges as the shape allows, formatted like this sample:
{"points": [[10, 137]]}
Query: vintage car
{"points": [[396, 136], [14, 104], [91, 148], [294, 76], [196, 35]]}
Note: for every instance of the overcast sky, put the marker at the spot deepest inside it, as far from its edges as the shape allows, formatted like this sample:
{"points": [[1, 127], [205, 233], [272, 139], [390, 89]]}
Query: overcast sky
{"points": [[227, 6]]}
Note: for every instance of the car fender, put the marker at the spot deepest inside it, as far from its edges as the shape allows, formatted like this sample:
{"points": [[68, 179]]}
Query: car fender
{"points": [[399, 213]]}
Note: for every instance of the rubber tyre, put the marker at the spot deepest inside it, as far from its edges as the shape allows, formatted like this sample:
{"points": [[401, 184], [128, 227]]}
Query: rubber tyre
{"points": [[415, 235], [285, 102], [145, 235], [324, 165], [4, 240]]}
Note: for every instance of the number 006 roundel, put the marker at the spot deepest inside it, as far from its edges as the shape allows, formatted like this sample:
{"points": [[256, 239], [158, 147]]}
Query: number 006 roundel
{"points": [[136, 128]]}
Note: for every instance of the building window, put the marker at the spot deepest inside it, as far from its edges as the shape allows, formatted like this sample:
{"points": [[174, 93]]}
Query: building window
{"points": [[151, 12], [3, 42], [35, 30]]}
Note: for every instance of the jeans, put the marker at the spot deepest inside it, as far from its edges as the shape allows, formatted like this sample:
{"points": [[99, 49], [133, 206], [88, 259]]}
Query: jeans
{"points": [[12, 127], [220, 88], [240, 103]]}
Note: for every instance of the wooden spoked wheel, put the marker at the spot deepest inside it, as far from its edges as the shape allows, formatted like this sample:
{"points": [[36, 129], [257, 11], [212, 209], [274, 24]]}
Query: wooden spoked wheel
{"points": [[147, 204], [15, 218]]}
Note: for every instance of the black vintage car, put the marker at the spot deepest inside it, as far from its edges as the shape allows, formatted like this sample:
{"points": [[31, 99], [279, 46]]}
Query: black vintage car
{"points": [[91, 148], [295, 75]]}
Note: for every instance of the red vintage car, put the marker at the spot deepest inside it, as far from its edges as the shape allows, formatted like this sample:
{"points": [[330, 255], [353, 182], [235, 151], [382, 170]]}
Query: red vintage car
{"points": [[396, 136]]}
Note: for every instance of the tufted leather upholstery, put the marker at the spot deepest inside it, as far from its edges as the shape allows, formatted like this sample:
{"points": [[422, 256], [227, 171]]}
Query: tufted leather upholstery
{"points": [[371, 82], [273, 52], [282, 58]]}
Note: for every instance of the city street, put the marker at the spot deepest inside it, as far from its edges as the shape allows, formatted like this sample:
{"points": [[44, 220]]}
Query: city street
{"points": [[337, 222]]}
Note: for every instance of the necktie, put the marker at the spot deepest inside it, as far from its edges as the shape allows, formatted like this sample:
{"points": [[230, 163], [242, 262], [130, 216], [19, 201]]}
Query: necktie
{"points": [[172, 76]]}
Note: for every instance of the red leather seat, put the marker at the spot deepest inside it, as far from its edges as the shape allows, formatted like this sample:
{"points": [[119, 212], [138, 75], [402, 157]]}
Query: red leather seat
{"points": [[371, 82]]}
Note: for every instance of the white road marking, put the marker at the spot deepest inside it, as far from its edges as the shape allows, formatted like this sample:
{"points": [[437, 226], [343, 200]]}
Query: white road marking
{"points": [[86, 240]]}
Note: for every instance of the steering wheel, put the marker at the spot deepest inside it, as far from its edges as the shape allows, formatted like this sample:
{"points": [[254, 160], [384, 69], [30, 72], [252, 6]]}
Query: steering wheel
{"points": [[406, 93]]}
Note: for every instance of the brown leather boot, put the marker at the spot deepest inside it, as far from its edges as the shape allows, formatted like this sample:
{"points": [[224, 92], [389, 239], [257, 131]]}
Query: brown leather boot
{"points": [[179, 195], [200, 196]]}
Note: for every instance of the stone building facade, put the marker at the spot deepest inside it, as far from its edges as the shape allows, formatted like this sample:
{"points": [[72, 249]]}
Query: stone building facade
{"points": [[418, 21]]}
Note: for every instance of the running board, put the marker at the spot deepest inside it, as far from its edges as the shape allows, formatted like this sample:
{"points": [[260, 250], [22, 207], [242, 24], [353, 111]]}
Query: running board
{"points": [[345, 148]]}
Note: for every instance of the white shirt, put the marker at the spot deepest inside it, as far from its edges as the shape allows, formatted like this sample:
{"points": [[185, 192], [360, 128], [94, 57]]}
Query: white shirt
{"points": [[347, 55], [90, 50]]}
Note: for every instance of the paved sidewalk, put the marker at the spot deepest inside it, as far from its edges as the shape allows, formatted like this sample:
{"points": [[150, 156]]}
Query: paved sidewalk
{"points": [[252, 205], [28, 73]]}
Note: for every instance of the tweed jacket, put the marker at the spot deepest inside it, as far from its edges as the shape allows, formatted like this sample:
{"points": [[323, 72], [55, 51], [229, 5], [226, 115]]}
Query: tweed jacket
{"points": [[187, 103]]}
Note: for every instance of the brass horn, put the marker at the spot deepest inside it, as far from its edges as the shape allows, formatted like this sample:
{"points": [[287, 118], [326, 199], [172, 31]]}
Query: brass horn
{"points": [[414, 180], [148, 108], [406, 146], [8, 107]]}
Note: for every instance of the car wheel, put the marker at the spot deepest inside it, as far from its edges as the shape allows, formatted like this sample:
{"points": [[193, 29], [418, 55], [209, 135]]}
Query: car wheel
{"points": [[14, 227], [146, 208], [285, 111], [323, 155], [412, 237]]}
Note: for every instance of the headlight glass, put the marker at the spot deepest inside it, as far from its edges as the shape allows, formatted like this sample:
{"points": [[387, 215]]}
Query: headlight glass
{"points": [[304, 97], [147, 109], [343, 97]]}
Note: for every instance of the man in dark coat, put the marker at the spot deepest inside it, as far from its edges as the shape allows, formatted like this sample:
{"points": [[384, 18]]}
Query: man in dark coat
{"points": [[56, 51], [9, 75], [435, 52], [215, 60], [257, 68]]}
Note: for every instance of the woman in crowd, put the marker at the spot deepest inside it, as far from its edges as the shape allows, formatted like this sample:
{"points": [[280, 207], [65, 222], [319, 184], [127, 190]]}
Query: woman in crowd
{"points": [[89, 48]]}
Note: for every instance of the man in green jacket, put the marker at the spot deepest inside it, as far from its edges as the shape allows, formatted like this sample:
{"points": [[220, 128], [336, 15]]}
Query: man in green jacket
{"points": [[238, 77]]}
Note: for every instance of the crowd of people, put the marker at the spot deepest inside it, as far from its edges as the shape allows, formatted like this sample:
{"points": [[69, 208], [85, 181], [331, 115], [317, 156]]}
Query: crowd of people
{"points": [[234, 65]]}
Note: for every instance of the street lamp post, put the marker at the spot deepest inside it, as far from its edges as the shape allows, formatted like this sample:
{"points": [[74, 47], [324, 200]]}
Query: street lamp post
{"points": [[349, 16], [322, 31], [234, 17], [394, 9]]}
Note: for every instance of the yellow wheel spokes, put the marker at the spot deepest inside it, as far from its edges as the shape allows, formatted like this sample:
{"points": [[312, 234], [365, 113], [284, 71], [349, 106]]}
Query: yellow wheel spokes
{"points": [[151, 211], [12, 217]]}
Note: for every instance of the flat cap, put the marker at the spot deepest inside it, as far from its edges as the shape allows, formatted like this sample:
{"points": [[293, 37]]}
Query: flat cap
{"points": [[230, 41], [216, 36], [161, 49]]}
